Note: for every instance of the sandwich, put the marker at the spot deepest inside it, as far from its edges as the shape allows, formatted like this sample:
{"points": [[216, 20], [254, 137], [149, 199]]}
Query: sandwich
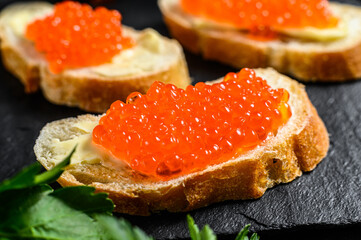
{"points": [[310, 40], [84, 57], [180, 149]]}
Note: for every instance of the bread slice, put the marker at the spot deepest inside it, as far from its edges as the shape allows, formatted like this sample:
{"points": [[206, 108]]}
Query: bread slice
{"points": [[298, 146], [308, 60], [90, 88]]}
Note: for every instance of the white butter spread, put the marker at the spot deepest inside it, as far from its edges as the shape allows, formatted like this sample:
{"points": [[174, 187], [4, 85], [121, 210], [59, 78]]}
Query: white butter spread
{"points": [[85, 151], [18, 16], [307, 33], [146, 56], [316, 34]]}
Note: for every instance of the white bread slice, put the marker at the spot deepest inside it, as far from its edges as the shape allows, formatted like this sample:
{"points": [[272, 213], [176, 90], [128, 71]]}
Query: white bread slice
{"points": [[298, 146], [337, 60], [90, 88]]}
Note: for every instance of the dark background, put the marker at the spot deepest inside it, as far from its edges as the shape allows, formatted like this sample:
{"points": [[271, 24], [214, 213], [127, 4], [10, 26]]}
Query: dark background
{"points": [[323, 204]]}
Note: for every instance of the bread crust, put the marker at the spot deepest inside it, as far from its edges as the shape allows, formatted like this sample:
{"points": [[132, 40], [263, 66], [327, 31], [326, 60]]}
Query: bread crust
{"points": [[318, 63], [97, 94], [299, 146], [84, 89]]}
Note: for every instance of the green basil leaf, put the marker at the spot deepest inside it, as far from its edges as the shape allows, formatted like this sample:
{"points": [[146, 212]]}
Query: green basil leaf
{"points": [[53, 174], [15, 203], [43, 216], [28, 176], [207, 233], [114, 229], [193, 229], [23, 179], [254, 236], [82, 198], [243, 234]]}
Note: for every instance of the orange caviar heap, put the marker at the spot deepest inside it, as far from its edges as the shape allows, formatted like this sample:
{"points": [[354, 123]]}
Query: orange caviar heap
{"points": [[171, 132], [249, 14], [75, 35]]}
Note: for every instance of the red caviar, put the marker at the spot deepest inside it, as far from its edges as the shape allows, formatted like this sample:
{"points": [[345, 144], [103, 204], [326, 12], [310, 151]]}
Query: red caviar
{"points": [[75, 35], [249, 14], [170, 131]]}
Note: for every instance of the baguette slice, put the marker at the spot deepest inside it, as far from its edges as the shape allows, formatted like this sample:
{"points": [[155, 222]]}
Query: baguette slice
{"points": [[90, 88], [336, 60], [299, 146]]}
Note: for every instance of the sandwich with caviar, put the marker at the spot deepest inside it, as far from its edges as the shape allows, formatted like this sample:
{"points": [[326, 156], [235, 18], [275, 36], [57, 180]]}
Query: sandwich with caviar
{"points": [[310, 40], [180, 149], [84, 57]]}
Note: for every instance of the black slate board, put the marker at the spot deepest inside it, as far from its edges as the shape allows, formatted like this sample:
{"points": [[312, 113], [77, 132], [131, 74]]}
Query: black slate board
{"points": [[323, 204]]}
